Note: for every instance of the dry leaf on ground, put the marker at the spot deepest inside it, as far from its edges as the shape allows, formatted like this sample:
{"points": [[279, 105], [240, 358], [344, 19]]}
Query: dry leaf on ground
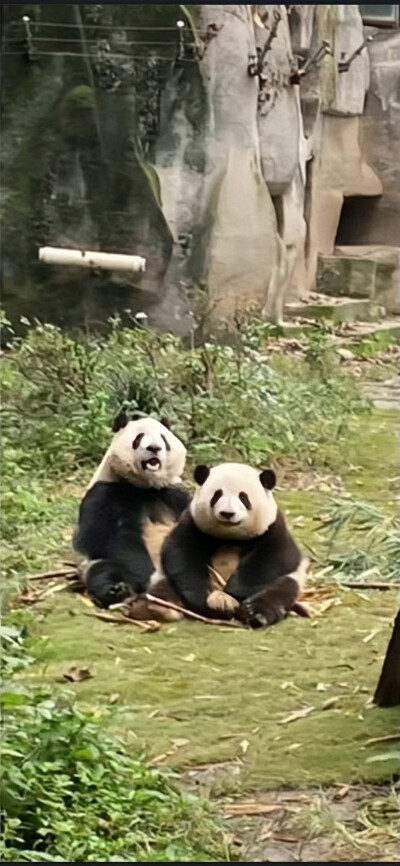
{"points": [[77, 675], [299, 714], [252, 808]]}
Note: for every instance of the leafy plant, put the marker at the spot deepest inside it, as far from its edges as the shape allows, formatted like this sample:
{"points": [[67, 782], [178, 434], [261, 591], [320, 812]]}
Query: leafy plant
{"points": [[70, 793], [225, 401], [373, 344]]}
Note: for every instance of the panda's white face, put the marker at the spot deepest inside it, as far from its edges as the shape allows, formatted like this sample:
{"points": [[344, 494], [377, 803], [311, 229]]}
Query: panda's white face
{"points": [[234, 501], [145, 453]]}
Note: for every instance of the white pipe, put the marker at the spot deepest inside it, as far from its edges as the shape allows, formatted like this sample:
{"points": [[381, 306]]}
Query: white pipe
{"points": [[86, 259]]}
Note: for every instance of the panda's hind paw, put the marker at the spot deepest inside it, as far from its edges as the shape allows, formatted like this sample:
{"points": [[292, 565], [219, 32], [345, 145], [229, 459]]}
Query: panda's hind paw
{"points": [[120, 591], [260, 614]]}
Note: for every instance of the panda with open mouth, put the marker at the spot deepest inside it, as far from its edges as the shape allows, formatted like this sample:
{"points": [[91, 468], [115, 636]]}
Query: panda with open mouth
{"points": [[136, 486], [234, 512]]}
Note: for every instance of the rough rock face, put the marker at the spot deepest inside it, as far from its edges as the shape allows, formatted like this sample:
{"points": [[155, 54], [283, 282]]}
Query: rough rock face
{"points": [[135, 140], [380, 136], [237, 223]]}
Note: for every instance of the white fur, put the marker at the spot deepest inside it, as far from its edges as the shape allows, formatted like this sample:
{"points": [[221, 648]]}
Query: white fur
{"points": [[122, 461], [300, 573], [233, 479], [155, 579]]}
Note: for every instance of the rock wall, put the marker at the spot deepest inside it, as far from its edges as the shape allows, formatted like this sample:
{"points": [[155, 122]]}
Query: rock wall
{"points": [[119, 134]]}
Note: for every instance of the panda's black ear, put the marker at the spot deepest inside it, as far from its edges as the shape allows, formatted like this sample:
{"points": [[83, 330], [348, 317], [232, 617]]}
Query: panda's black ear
{"points": [[120, 421], [268, 479], [201, 473]]}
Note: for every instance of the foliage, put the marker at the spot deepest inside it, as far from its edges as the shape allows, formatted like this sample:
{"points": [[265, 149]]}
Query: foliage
{"points": [[70, 793], [378, 551], [14, 656], [373, 344], [225, 401]]}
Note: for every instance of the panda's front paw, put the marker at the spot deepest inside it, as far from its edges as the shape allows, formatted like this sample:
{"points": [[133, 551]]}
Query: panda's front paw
{"points": [[259, 613], [222, 602]]}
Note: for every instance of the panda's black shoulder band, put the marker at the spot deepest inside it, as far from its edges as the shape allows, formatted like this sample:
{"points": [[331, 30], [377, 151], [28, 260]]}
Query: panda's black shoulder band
{"points": [[176, 498]]}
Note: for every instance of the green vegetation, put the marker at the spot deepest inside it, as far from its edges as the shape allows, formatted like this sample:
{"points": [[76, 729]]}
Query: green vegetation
{"points": [[225, 401], [188, 694], [210, 688], [70, 793], [373, 343], [378, 552]]}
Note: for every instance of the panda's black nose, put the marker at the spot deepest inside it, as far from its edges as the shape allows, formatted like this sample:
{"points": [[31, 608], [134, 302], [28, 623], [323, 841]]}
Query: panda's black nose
{"points": [[227, 514], [154, 448]]}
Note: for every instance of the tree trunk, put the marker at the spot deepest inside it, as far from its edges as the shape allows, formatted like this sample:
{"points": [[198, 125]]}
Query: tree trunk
{"points": [[388, 689]]}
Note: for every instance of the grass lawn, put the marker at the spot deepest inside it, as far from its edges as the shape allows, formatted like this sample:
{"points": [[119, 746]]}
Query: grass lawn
{"points": [[198, 692]]}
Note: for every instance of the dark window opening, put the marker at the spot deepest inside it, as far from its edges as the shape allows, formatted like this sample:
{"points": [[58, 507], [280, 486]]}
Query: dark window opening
{"points": [[358, 221]]}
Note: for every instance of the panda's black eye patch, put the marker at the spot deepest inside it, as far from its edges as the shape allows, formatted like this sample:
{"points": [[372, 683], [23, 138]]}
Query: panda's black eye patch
{"points": [[245, 499], [136, 442], [166, 443], [214, 499]]}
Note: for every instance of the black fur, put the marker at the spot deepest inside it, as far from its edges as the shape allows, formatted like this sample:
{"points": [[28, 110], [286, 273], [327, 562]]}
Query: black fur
{"points": [[120, 421], [260, 582], [111, 518], [185, 555], [270, 605]]}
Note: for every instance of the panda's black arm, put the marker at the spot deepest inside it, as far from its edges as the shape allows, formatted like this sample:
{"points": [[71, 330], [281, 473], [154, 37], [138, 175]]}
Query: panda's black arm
{"points": [[99, 513], [264, 560], [176, 498], [129, 551], [185, 556], [110, 529]]}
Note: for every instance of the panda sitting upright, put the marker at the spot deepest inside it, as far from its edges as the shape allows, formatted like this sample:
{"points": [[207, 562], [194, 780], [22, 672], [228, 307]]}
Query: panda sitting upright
{"points": [[137, 483], [234, 509]]}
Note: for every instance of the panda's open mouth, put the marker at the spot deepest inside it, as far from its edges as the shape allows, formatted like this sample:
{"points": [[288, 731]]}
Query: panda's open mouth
{"points": [[153, 464]]}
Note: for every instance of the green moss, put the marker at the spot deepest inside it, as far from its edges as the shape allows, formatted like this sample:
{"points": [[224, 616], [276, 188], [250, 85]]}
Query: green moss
{"points": [[81, 95]]}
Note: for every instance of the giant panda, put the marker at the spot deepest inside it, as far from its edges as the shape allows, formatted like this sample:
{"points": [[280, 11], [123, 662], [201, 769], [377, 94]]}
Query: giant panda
{"points": [[234, 511], [137, 485]]}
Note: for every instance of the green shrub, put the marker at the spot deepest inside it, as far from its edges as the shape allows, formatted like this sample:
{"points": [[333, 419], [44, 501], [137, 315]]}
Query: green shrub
{"points": [[70, 793], [225, 401]]}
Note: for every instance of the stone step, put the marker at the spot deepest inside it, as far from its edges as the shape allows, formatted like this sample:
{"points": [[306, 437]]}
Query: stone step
{"points": [[336, 310], [360, 331], [362, 272], [354, 333]]}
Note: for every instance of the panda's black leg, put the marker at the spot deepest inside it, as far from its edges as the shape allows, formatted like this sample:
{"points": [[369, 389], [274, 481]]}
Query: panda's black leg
{"points": [[106, 584], [270, 605]]}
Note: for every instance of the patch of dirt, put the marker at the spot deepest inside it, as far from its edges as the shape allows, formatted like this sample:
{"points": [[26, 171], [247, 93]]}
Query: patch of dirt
{"points": [[293, 477], [344, 823]]}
